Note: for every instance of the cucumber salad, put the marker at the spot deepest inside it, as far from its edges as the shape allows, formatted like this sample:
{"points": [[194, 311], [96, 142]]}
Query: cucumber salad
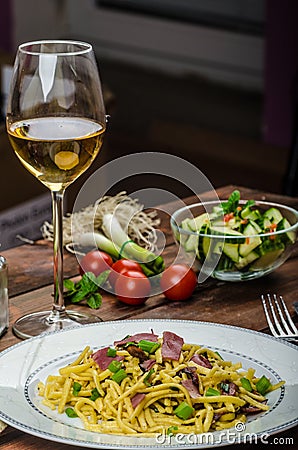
{"points": [[241, 233]]}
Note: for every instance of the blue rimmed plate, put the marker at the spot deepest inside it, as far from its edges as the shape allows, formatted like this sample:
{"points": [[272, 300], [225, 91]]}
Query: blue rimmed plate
{"points": [[24, 364]]}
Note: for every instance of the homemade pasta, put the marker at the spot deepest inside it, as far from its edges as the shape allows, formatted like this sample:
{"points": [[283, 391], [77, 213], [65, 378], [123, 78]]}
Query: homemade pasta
{"points": [[146, 384]]}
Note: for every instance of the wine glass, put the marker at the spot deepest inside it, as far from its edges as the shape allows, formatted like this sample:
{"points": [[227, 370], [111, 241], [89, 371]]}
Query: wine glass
{"points": [[56, 123]]}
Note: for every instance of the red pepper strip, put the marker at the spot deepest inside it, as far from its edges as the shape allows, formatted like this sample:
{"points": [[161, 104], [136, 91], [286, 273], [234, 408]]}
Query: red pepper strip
{"points": [[228, 217]]}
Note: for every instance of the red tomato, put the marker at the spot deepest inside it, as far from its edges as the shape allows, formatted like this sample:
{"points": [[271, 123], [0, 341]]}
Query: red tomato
{"points": [[96, 262], [122, 266], [178, 282], [132, 287]]}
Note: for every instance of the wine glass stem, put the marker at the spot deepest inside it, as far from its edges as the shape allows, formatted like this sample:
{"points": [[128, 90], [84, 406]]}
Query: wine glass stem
{"points": [[58, 310]]}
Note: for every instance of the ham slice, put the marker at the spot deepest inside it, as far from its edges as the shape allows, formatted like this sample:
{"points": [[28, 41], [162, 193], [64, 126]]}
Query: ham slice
{"points": [[103, 360], [148, 364], [171, 345], [136, 338], [191, 372], [192, 388], [201, 361], [233, 388], [136, 399]]}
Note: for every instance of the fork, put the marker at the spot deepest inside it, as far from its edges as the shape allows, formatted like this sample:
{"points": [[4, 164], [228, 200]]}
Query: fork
{"points": [[278, 317]]}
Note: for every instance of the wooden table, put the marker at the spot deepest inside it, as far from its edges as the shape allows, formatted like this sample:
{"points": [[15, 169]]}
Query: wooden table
{"points": [[30, 288]]}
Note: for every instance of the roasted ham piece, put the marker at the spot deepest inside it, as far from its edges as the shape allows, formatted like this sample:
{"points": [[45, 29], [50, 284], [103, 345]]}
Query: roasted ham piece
{"points": [[136, 399], [171, 346], [191, 387], [103, 360], [136, 338], [201, 361]]}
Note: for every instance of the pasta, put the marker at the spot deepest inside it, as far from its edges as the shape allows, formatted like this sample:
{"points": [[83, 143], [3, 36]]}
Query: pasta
{"points": [[136, 388]]}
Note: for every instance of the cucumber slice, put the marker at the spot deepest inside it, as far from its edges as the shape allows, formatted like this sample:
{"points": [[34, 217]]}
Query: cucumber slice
{"points": [[230, 235], [225, 263], [208, 246], [217, 210], [249, 213], [197, 223], [264, 223], [232, 251], [249, 246], [267, 260], [191, 244], [204, 243], [251, 242], [269, 245], [290, 236], [243, 262], [257, 228], [185, 225], [273, 214]]}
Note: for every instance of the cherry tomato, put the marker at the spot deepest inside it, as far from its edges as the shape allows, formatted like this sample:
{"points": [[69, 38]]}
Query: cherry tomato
{"points": [[122, 266], [95, 261], [178, 282], [132, 287]]}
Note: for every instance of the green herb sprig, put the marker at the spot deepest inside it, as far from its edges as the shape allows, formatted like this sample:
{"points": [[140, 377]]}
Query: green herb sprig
{"points": [[231, 204], [87, 288]]}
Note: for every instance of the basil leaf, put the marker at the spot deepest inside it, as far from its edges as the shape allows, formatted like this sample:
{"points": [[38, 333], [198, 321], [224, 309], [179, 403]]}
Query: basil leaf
{"points": [[88, 282], [102, 278], [232, 203], [94, 301], [79, 296], [69, 285]]}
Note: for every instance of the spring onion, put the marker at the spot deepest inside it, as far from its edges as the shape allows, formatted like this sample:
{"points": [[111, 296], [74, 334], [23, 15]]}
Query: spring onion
{"points": [[210, 391], [148, 346], [246, 384], [147, 377], [118, 244], [219, 355], [114, 366], [94, 395], [101, 241], [184, 411], [170, 430], [119, 376], [70, 412], [76, 388], [262, 385], [131, 250], [111, 352]]}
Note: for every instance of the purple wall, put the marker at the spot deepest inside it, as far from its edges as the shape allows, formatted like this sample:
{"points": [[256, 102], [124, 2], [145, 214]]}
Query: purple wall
{"points": [[281, 71], [6, 26]]}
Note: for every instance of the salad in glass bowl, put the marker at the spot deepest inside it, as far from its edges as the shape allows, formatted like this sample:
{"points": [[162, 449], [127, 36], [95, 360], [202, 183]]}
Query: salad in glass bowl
{"points": [[236, 239]]}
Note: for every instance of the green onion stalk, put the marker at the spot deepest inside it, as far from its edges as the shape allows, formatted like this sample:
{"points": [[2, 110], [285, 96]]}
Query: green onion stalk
{"points": [[117, 243]]}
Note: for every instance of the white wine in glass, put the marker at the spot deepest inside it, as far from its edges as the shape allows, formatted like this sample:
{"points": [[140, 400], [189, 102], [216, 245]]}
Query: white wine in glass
{"points": [[56, 123]]}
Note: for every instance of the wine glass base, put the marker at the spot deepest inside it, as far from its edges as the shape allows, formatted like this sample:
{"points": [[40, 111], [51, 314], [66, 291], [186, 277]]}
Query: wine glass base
{"points": [[36, 323]]}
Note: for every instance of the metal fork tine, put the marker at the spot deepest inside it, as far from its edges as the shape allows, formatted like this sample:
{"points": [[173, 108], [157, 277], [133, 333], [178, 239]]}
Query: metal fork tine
{"points": [[290, 321], [283, 321], [272, 329], [276, 321], [278, 317]]}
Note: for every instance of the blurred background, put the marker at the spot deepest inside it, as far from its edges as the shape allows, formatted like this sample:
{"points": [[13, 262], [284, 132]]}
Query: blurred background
{"points": [[211, 81]]}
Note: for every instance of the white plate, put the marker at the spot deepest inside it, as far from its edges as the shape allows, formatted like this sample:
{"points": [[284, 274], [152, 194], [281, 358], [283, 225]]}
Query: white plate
{"points": [[24, 364]]}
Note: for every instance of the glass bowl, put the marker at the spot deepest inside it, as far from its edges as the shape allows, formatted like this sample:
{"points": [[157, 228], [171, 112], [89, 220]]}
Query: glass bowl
{"points": [[215, 251]]}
